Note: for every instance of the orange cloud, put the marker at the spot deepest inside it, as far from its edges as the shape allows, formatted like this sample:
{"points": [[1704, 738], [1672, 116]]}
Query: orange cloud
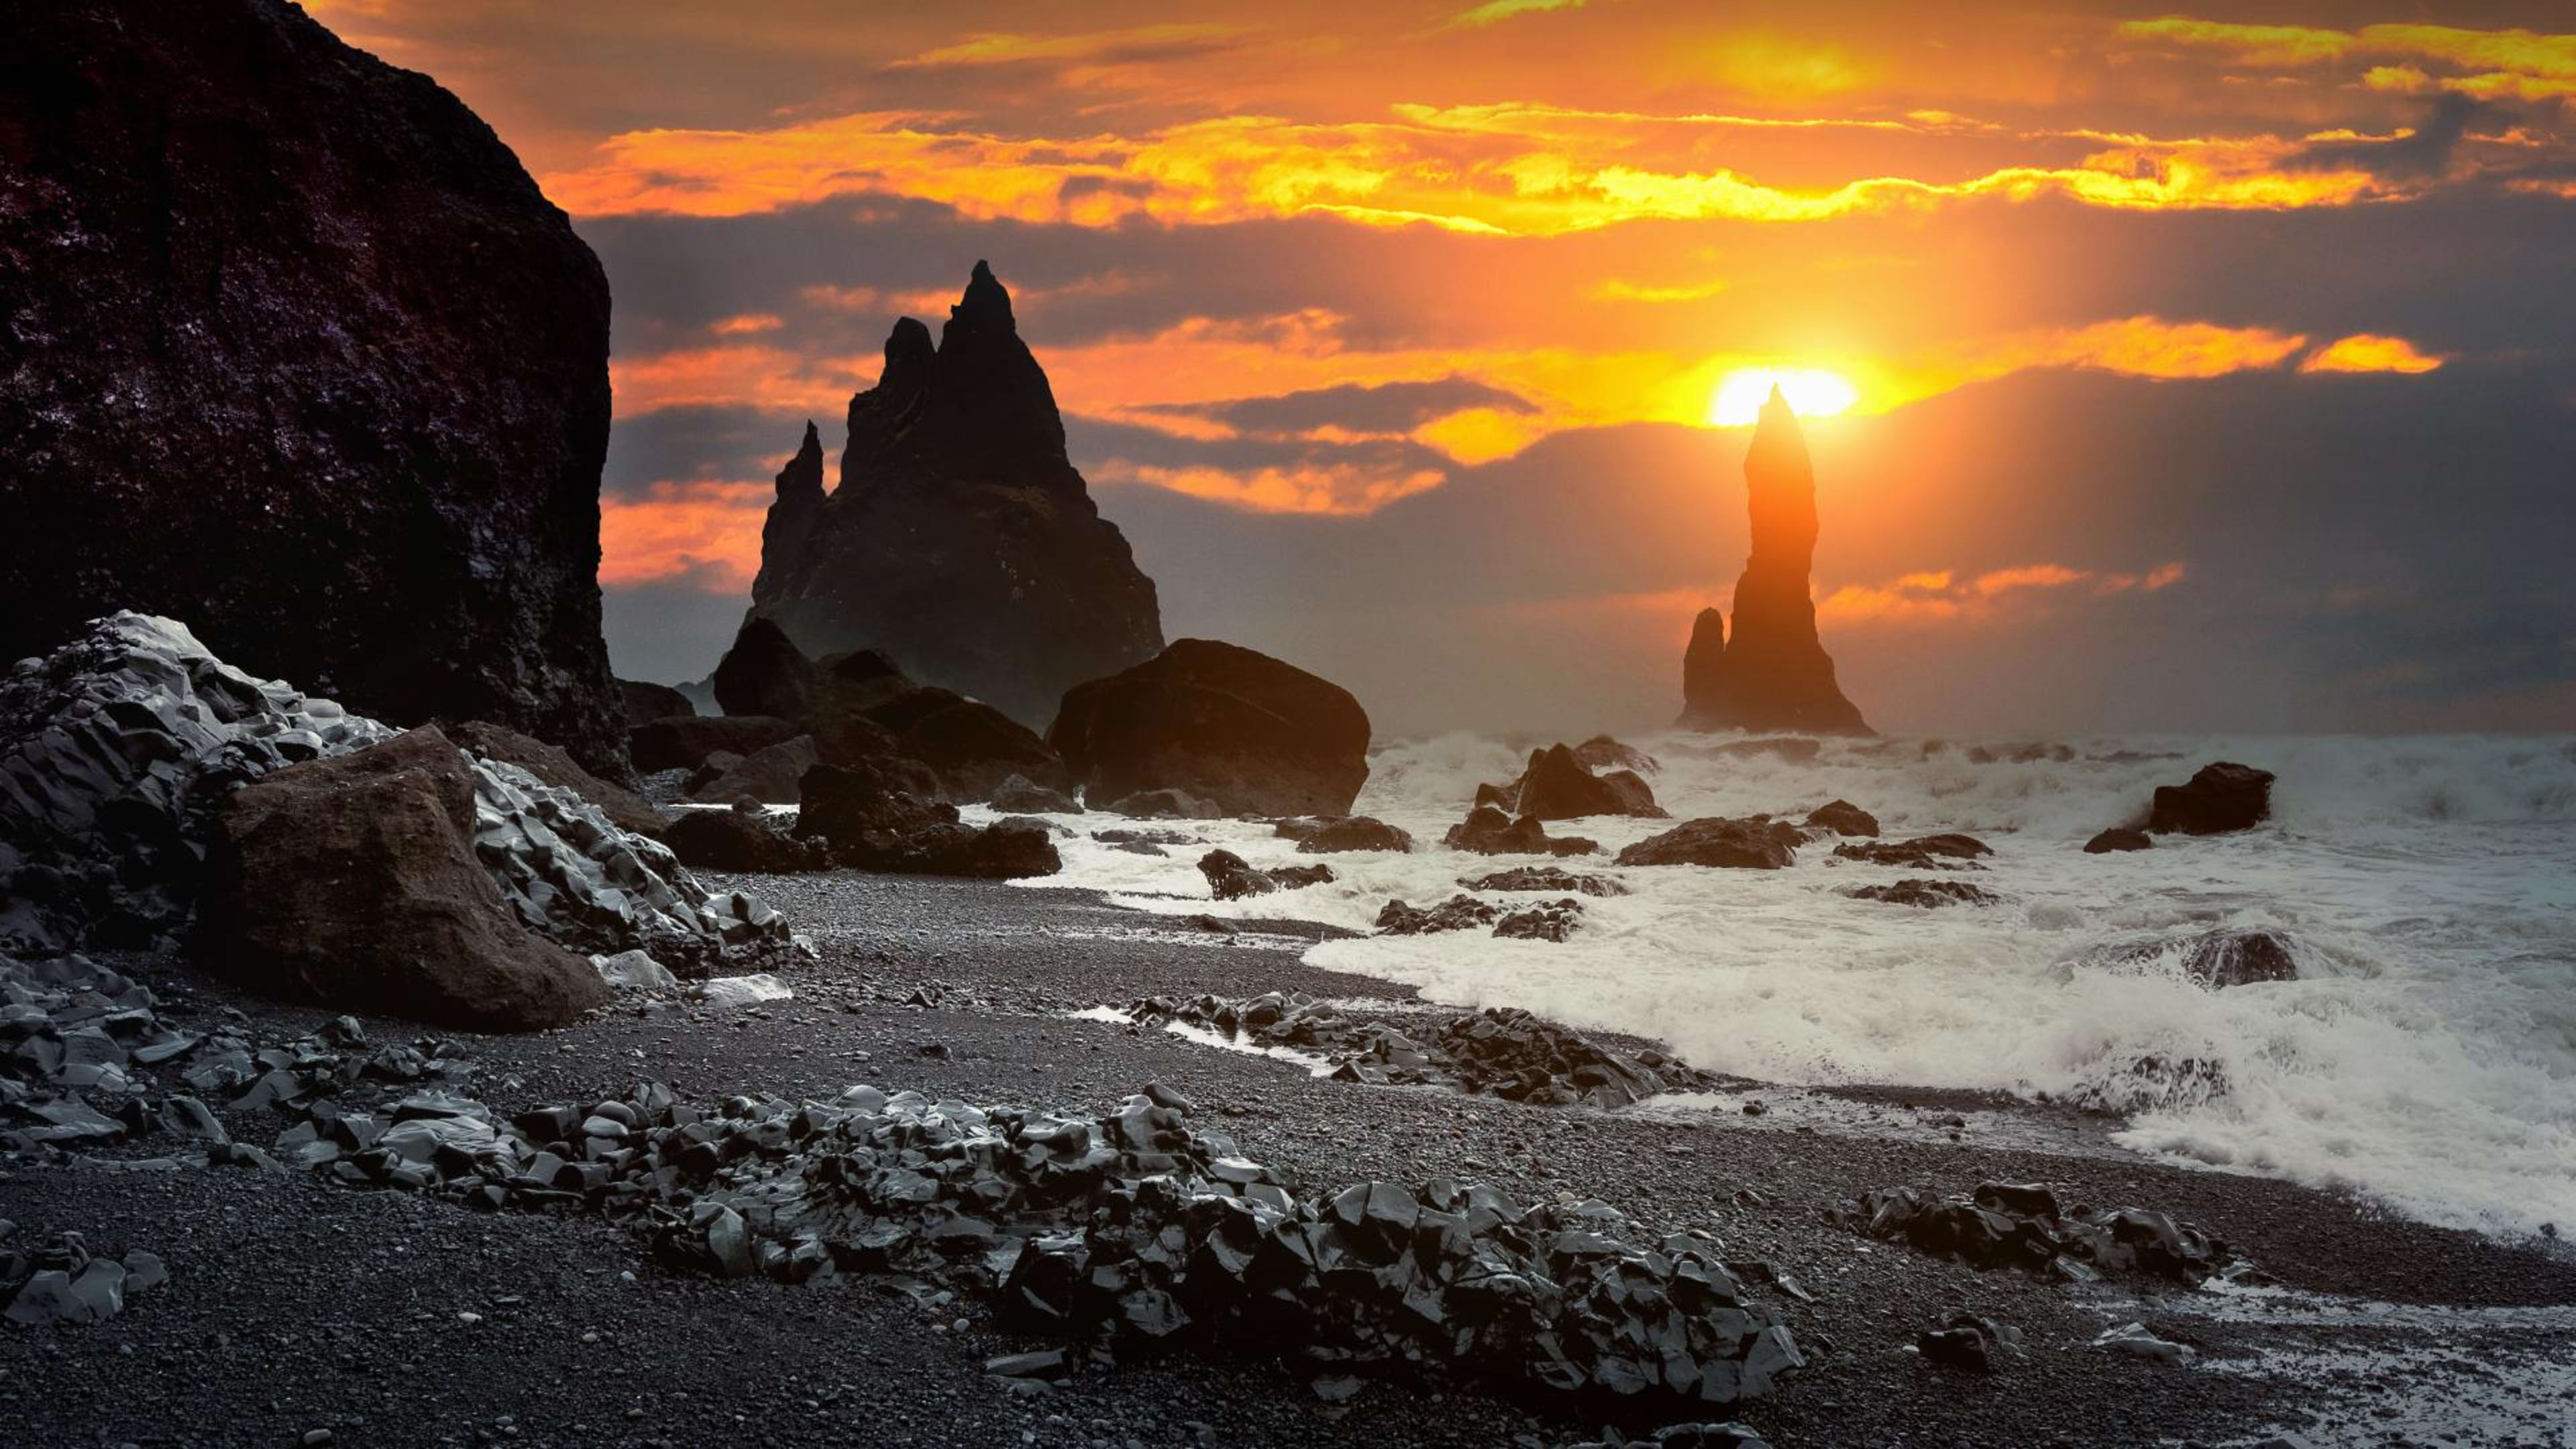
{"points": [[1496, 170], [706, 532], [2519, 63], [1006, 49], [748, 323], [2137, 346], [2371, 352], [753, 374], [1938, 596], [1303, 489]]}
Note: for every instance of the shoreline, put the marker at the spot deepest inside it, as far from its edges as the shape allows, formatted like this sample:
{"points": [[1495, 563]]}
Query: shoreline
{"points": [[988, 975]]}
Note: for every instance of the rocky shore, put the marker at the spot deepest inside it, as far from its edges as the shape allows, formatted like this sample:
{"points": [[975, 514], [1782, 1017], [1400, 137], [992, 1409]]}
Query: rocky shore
{"points": [[297, 1306]]}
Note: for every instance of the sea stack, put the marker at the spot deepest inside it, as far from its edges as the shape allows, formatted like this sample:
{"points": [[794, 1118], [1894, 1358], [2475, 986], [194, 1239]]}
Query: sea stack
{"points": [[960, 540], [1773, 674], [297, 353]]}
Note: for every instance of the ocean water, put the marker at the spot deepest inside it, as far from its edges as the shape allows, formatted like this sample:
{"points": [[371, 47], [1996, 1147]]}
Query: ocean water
{"points": [[2425, 1059]]}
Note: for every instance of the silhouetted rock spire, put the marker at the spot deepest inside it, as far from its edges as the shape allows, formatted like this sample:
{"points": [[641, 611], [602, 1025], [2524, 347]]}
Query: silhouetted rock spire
{"points": [[960, 540], [1773, 674]]}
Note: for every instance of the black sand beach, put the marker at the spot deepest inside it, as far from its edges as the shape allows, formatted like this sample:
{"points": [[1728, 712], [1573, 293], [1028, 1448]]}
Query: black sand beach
{"points": [[297, 1306]]}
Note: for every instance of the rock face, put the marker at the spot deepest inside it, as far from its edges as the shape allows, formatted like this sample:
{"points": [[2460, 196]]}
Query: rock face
{"points": [[959, 540], [764, 673], [352, 882], [1252, 734], [652, 701], [2221, 797], [297, 353], [1773, 674]]}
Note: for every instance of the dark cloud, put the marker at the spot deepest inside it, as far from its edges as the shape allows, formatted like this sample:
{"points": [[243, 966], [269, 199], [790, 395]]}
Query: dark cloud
{"points": [[2425, 152]]}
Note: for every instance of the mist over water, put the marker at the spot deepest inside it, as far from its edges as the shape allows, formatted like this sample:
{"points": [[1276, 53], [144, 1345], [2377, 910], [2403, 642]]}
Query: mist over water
{"points": [[2426, 1057]]}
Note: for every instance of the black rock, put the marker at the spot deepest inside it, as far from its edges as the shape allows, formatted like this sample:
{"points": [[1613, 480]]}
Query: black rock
{"points": [[302, 357], [1717, 841], [1488, 831], [2006, 1226], [2220, 798], [1924, 852], [1557, 786], [736, 840], [1842, 817], [1927, 894], [772, 775], [2119, 837], [1166, 805], [1458, 913], [959, 539], [684, 742], [1347, 833], [2220, 957], [1548, 921], [1230, 877], [1021, 796], [651, 701], [1253, 734], [764, 673], [1545, 878]]}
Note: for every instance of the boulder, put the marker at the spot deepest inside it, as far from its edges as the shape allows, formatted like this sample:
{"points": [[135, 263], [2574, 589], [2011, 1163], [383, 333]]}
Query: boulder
{"points": [[1773, 674], [1458, 913], [2221, 797], [764, 673], [1020, 795], [1165, 805], [1556, 786], [652, 701], [1927, 894], [2117, 838], [1545, 878], [773, 776], [352, 882], [1948, 851], [1253, 734], [1231, 877], [299, 354], [1717, 841], [1601, 752], [1545, 921], [739, 840], [683, 742], [1316, 836], [972, 745], [871, 817], [960, 539], [1488, 831], [1842, 817], [2238, 956], [630, 811]]}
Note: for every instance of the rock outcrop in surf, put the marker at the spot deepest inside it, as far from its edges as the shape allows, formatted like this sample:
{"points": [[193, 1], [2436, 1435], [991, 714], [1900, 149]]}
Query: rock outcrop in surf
{"points": [[299, 354], [960, 540], [1773, 674]]}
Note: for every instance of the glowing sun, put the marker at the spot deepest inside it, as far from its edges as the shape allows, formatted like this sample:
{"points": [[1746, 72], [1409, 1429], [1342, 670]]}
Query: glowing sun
{"points": [[1812, 393]]}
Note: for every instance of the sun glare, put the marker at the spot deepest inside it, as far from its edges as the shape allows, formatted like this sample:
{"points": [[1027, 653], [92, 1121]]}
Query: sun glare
{"points": [[1812, 393]]}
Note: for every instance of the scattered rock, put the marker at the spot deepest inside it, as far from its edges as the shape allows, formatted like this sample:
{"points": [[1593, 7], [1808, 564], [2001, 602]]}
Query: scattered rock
{"points": [[2221, 797], [1717, 841], [2005, 1225], [1971, 1341], [1924, 852], [352, 882], [1231, 877], [1488, 831], [2135, 1341], [1842, 817], [1548, 921], [1927, 894], [728, 993], [327, 378], [634, 971], [1018, 795], [1253, 734], [2026, 753], [1316, 836], [1458, 913], [1545, 878], [2119, 837], [2221, 957]]}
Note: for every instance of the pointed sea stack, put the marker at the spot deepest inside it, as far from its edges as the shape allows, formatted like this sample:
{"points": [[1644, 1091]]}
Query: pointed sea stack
{"points": [[960, 540], [1773, 674]]}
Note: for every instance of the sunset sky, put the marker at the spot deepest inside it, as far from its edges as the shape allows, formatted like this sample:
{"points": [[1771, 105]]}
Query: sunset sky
{"points": [[2212, 369]]}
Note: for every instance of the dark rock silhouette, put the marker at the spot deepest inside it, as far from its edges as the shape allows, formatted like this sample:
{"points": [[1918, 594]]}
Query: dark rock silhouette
{"points": [[774, 775], [739, 840], [1773, 674], [1557, 785], [646, 702], [1926, 894], [684, 742], [874, 815], [2221, 797], [960, 540], [2119, 837], [1249, 733], [297, 353], [1947, 851], [1489, 831], [764, 673], [352, 882], [1842, 817], [1351, 832]]}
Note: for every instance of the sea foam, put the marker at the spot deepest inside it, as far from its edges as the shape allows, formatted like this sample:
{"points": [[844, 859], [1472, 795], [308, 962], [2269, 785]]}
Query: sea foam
{"points": [[2425, 1059]]}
